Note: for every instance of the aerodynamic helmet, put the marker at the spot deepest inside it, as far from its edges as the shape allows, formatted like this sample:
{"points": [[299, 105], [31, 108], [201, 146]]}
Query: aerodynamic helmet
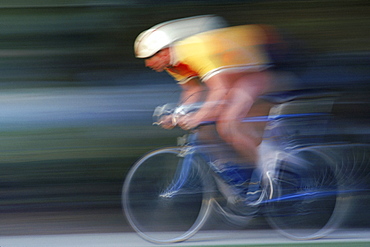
{"points": [[164, 34]]}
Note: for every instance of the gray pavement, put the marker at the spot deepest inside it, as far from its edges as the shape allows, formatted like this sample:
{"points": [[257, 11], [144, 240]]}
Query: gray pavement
{"points": [[206, 238]]}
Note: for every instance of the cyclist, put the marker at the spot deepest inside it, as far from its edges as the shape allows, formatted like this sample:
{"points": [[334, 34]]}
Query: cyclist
{"points": [[227, 68]]}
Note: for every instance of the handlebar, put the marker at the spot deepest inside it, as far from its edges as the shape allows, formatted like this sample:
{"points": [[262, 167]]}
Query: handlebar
{"points": [[177, 111]]}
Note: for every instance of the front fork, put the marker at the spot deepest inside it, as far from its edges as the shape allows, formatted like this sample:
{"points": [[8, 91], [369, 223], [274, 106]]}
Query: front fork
{"points": [[184, 169]]}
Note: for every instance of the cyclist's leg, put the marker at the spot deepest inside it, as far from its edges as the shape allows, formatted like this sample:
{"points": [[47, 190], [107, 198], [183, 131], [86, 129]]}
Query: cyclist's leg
{"points": [[243, 102], [245, 137]]}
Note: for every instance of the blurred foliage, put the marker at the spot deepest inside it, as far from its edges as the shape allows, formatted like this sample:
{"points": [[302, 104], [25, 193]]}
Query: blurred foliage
{"points": [[66, 40], [87, 142], [72, 167]]}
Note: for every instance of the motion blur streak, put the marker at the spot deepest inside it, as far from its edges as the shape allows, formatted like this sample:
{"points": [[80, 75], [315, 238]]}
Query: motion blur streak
{"points": [[76, 104]]}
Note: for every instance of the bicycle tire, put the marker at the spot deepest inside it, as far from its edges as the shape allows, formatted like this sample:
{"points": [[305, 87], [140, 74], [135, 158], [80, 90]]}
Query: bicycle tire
{"points": [[155, 209], [308, 200]]}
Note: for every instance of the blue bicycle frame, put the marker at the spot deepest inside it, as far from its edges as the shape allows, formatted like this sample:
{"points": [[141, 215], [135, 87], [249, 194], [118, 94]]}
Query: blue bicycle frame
{"points": [[191, 146]]}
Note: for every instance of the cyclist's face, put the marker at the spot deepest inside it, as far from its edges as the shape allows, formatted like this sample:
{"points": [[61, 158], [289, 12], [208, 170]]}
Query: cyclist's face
{"points": [[159, 61]]}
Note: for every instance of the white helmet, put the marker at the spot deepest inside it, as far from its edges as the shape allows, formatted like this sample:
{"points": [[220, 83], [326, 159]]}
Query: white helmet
{"points": [[162, 35], [150, 42]]}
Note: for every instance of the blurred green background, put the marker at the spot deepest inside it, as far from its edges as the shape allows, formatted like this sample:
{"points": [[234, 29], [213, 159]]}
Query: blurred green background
{"points": [[80, 40], [88, 43]]}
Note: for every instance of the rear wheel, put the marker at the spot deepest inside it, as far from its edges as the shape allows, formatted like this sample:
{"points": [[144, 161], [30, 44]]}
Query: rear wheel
{"points": [[309, 199], [166, 199]]}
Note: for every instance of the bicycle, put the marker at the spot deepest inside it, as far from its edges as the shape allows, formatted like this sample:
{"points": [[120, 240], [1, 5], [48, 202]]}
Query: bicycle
{"points": [[169, 193]]}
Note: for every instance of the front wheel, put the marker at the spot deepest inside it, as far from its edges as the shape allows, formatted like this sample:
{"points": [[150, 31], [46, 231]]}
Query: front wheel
{"points": [[309, 200], [166, 197]]}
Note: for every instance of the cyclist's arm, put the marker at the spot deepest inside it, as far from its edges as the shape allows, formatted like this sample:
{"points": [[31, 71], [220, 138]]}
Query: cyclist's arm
{"points": [[192, 91], [217, 91]]}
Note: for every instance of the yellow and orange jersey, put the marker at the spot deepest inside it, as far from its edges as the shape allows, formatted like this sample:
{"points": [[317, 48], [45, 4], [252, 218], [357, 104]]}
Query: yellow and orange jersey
{"points": [[205, 54]]}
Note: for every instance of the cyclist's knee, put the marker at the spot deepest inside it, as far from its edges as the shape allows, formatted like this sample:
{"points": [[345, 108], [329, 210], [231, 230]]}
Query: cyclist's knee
{"points": [[237, 135], [227, 131]]}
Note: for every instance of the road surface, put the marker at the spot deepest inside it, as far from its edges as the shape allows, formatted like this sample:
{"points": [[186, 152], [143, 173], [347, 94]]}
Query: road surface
{"points": [[208, 238]]}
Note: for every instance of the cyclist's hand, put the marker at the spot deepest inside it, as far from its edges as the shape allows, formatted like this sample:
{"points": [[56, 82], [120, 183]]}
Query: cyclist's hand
{"points": [[166, 122], [188, 122]]}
